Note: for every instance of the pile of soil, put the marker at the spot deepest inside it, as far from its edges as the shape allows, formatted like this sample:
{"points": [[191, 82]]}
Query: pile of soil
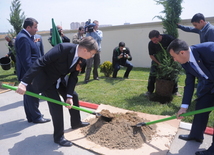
{"points": [[118, 133]]}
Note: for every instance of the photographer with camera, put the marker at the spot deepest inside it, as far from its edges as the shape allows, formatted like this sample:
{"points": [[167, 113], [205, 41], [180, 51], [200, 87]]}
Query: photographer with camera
{"points": [[92, 30], [63, 37], [121, 56]]}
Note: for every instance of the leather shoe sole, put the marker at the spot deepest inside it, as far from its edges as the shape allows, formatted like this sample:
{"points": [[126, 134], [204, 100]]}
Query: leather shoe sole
{"points": [[82, 124], [64, 142], [187, 138], [42, 120]]}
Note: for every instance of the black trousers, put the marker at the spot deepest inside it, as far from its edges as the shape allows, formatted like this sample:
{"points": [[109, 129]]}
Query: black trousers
{"points": [[31, 106], [56, 110], [200, 121], [117, 68]]}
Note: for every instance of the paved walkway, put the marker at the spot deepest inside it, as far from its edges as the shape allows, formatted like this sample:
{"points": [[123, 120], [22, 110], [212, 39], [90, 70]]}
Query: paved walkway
{"points": [[18, 137]]}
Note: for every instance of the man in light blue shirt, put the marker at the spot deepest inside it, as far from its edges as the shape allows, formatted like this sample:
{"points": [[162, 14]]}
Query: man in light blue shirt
{"points": [[97, 35]]}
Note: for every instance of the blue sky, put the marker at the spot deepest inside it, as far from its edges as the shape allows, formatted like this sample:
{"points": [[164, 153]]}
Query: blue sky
{"points": [[115, 12]]}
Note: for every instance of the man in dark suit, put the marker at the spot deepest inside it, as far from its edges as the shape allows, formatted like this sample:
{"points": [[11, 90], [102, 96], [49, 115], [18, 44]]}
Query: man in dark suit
{"points": [[198, 61], [26, 54], [56, 73]]}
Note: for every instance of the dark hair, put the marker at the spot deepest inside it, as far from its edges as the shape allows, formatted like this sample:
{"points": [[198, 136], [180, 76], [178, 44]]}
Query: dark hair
{"points": [[29, 22], [197, 17], [178, 45], [121, 44], [154, 33], [80, 28], [89, 43]]}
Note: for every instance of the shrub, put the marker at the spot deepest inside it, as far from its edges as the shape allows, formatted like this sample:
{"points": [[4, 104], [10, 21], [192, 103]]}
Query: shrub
{"points": [[106, 68]]}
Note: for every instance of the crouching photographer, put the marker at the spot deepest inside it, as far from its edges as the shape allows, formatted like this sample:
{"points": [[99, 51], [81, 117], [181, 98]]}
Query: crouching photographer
{"points": [[92, 30], [121, 57]]}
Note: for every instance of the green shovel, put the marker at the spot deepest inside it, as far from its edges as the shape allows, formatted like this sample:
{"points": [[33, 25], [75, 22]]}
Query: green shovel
{"points": [[58, 102], [174, 117]]}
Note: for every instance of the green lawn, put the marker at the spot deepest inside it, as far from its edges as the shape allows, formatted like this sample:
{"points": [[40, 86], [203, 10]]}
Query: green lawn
{"points": [[123, 93]]}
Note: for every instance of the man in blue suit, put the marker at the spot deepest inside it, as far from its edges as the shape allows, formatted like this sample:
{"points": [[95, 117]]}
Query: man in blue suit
{"points": [[198, 61], [27, 53]]}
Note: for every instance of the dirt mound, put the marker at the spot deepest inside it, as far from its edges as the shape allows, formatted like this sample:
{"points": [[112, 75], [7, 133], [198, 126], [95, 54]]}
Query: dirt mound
{"points": [[118, 133]]}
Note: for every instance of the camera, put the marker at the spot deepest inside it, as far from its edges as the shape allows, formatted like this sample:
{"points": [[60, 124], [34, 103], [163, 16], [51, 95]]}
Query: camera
{"points": [[89, 27], [124, 52]]}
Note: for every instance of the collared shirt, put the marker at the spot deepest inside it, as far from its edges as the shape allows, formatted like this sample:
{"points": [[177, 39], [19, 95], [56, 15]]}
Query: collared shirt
{"points": [[27, 33], [192, 59], [75, 57]]}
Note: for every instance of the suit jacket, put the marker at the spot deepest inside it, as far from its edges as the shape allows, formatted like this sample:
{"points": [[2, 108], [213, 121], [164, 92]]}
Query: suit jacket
{"points": [[26, 53], [204, 56], [53, 65], [38, 42]]}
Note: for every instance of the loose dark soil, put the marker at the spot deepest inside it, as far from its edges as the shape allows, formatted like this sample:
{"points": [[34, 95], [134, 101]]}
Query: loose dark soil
{"points": [[118, 133]]}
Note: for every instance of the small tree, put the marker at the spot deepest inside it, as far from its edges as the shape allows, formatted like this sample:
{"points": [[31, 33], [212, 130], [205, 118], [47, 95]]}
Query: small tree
{"points": [[172, 11], [16, 18], [167, 73]]}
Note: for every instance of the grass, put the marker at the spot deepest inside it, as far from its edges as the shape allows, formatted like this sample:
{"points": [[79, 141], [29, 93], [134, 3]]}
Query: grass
{"points": [[123, 93]]}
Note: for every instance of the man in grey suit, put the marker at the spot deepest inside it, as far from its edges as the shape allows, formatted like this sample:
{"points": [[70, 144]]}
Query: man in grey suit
{"points": [[57, 73], [26, 54], [198, 61]]}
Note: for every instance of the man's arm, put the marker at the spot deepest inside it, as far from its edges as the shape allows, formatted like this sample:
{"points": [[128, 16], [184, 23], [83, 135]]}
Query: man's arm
{"points": [[129, 56], [25, 53], [75, 39], [65, 39], [188, 93], [188, 28], [154, 59]]}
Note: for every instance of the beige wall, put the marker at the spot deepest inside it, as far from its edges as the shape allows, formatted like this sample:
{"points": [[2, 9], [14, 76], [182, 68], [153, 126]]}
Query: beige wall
{"points": [[135, 36]]}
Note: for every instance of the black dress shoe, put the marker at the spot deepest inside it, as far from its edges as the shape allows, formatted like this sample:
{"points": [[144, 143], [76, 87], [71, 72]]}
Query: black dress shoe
{"points": [[80, 125], [187, 138], [64, 142], [96, 78], [206, 152], [42, 120]]}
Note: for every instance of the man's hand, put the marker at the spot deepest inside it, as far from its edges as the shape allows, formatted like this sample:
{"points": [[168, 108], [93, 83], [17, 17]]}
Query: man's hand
{"points": [[127, 56], [120, 56], [21, 89], [69, 101], [181, 111]]}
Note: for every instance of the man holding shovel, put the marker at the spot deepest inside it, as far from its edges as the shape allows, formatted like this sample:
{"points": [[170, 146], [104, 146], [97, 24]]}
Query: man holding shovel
{"points": [[56, 73], [198, 61]]}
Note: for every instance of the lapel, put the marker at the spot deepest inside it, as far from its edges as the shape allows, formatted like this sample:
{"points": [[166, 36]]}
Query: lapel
{"points": [[70, 61], [201, 65]]}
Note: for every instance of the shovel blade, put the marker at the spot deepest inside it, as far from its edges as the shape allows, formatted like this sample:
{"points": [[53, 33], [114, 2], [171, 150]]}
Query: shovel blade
{"points": [[107, 119]]}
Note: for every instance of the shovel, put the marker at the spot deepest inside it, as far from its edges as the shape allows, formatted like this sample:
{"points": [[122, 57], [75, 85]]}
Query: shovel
{"points": [[59, 102], [174, 117]]}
